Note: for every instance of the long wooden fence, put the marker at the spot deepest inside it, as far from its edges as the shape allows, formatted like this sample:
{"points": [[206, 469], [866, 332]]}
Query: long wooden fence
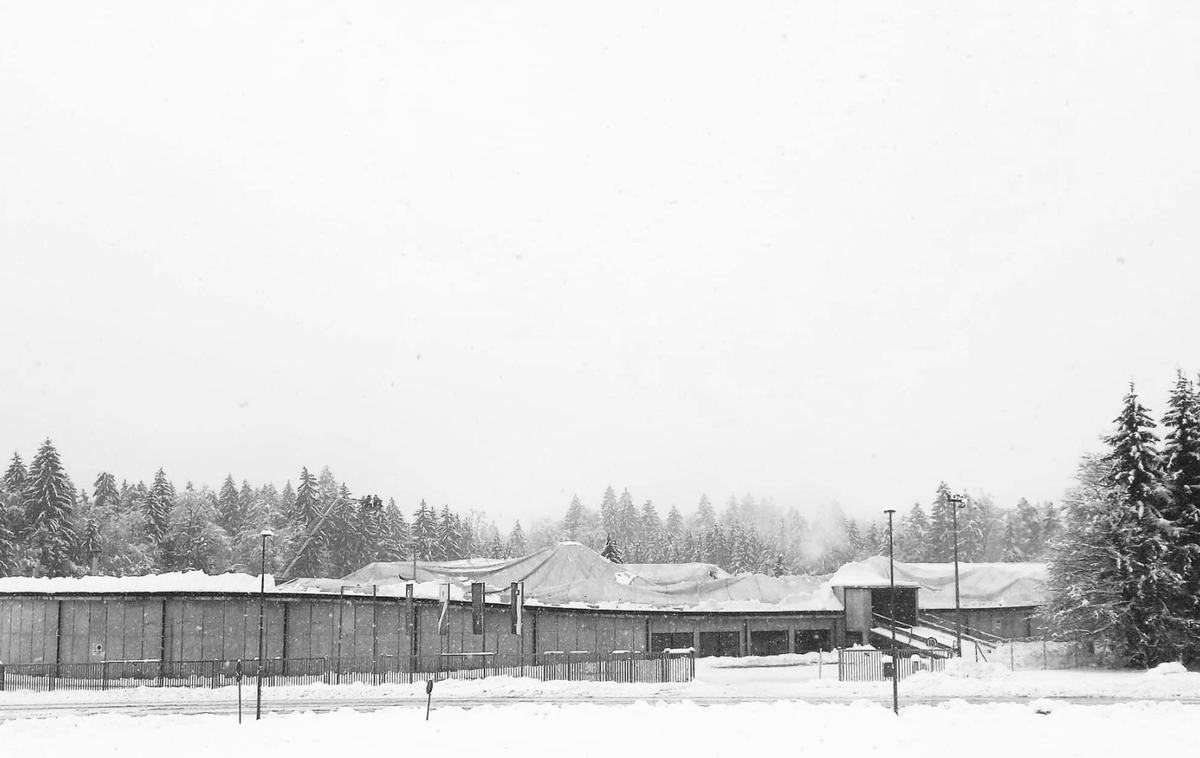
{"points": [[869, 665], [672, 666]]}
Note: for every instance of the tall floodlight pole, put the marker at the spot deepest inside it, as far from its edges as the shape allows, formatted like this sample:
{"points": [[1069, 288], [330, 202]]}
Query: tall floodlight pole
{"points": [[956, 502], [892, 613], [262, 601]]}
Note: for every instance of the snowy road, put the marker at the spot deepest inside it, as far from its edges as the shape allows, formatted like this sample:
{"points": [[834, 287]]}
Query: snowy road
{"points": [[532, 729], [715, 685], [17, 710]]}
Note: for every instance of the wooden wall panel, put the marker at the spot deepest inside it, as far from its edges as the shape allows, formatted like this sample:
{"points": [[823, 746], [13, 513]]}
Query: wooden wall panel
{"points": [[205, 628]]}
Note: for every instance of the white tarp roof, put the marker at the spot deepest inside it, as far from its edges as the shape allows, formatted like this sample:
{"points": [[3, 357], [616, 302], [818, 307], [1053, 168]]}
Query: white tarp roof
{"points": [[572, 575], [981, 585]]}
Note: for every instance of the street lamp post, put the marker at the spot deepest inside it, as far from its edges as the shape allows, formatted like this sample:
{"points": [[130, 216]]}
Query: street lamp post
{"points": [[262, 600], [892, 613], [956, 502]]}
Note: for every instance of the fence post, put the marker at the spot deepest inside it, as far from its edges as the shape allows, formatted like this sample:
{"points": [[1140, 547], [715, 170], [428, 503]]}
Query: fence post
{"points": [[1045, 663], [1, 676], [325, 669], [665, 663]]}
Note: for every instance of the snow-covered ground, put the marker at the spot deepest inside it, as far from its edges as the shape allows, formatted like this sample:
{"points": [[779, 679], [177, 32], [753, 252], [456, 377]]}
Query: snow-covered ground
{"points": [[584, 730], [715, 679]]}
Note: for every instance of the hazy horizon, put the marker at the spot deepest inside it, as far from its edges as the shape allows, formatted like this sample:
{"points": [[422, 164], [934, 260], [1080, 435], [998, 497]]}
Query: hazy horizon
{"points": [[496, 256]]}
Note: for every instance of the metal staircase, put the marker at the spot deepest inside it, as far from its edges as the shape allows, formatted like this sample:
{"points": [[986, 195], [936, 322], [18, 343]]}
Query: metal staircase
{"points": [[932, 636]]}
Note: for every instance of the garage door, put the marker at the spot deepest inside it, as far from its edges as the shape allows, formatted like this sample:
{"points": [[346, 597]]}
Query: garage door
{"points": [[723, 644], [769, 643]]}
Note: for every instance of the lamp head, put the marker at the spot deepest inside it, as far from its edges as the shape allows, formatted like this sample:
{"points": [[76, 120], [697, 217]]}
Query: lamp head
{"points": [[266, 533], [890, 511]]}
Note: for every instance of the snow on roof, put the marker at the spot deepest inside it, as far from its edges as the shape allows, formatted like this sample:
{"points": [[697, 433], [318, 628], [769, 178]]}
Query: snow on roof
{"points": [[571, 575], [188, 581], [391, 588], [981, 585], [667, 573]]}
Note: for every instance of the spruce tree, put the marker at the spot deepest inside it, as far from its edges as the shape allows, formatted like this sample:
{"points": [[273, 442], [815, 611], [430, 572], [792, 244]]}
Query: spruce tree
{"points": [[1181, 475], [1051, 525], [158, 504], [1010, 549], [304, 513], [650, 530], [424, 533], [1084, 583], [705, 516], [106, 494], [973, 528], [395, 545], [14, 477], [345, 545], [914, 536], [307, 506], [608, 511], [516, 541], [229, 508], [251, 510], [855, 548], [1111, 576], [449, 536], [1026, 528], [731, 513], [48, 501], [574, 521], [10, 554], [874, 542], [627, 520], [673, 526], [941, 527]]}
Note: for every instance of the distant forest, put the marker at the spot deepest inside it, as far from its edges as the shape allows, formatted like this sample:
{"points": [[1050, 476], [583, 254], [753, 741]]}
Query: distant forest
{"points": [[51, 527]]}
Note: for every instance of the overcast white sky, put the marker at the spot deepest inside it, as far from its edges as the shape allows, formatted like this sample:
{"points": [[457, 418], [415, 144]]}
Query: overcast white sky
{"points": [[493, 254]]}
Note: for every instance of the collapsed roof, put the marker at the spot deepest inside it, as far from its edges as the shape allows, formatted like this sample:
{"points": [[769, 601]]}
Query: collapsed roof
{"points": [[570, 574]]}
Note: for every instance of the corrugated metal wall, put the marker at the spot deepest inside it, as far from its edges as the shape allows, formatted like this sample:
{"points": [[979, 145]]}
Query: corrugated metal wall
{"points": [[207, 627]]}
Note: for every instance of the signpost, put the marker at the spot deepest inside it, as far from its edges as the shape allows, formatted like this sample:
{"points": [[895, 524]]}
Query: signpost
{"points": [[428, 697], [444, 618], [477, 608], [516, 608]]}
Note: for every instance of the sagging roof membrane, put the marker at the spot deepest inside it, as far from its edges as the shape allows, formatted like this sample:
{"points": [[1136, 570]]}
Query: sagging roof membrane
{"points": [[572, 575]]}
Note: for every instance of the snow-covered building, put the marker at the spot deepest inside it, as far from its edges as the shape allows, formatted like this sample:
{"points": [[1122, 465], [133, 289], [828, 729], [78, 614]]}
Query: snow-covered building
{"points": [[574, 600]]}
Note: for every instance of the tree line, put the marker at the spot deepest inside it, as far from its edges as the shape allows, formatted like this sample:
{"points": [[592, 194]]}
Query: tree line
{"points": [[1125, 573], [48, 526], [754, 535]]}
